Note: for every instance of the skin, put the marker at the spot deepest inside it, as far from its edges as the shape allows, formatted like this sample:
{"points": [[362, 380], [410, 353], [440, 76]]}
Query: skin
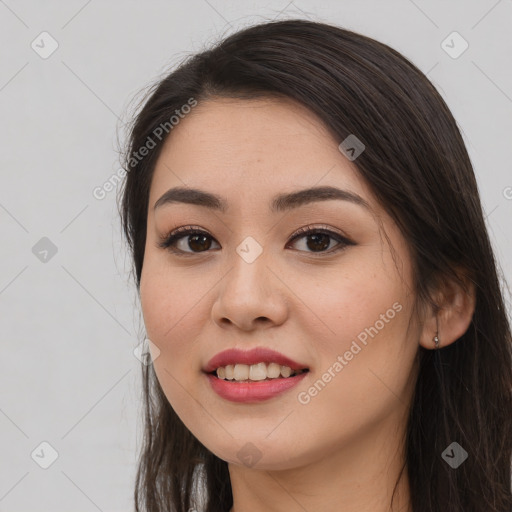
{"points": [[344, 448]]}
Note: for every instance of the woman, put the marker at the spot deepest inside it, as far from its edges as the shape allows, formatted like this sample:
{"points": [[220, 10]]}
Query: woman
{"points": [[318, 287]]}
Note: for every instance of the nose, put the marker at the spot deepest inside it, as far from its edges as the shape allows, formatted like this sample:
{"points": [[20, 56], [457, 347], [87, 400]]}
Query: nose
{"points": [[250, 295]]}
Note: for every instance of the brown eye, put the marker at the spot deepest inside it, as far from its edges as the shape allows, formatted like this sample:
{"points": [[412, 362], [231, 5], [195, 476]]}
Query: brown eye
{"points": [[183, 239], [319, 240]]}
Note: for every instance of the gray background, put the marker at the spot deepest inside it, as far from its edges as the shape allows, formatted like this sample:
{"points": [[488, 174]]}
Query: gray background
{"points": [[69, 324]]}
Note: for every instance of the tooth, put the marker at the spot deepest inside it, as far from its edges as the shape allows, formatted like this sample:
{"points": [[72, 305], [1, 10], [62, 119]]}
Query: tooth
{"points": [[258, 371], [229, 373], [286, 371], [241, 372], [255, 372], [273, 371]]}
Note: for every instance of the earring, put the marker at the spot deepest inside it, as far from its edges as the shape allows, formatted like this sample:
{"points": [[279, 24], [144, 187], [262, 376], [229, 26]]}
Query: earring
{"points": [[436, 338]]}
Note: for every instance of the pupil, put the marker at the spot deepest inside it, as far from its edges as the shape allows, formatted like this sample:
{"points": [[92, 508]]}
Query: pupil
{"points": [[316, 238], [194, 238]]}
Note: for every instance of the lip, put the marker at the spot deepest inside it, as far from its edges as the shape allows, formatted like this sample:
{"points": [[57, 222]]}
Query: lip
{"points": [[252, 391], [253, 356]]}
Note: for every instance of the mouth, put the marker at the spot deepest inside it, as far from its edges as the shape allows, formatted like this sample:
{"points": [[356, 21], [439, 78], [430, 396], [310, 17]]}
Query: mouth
{"points": [[253, 375], [254, 387]]}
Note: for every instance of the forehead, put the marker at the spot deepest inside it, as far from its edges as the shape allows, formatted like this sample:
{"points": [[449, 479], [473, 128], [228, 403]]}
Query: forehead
{"points": [[257, 147]]}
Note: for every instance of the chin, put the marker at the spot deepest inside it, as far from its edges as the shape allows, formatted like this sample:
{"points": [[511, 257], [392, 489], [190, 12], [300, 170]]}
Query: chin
{"points": [[260, 453]]}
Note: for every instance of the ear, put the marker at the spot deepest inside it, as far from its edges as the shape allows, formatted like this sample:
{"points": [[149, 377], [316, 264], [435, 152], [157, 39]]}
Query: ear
{"points": [[456, 308]]}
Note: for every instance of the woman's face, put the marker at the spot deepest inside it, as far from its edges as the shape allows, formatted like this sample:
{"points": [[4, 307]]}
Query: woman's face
{"points": [[332, 301]]}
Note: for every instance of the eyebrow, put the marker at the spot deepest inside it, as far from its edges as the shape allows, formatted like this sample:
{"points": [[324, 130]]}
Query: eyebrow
{"points": [[280, 203]]}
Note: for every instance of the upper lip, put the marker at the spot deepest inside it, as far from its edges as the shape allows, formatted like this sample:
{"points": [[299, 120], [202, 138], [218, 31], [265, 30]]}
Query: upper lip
{"points": [[253, 356]]}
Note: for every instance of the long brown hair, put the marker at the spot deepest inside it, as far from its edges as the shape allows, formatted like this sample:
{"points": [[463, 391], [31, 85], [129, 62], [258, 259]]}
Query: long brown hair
{"points": [[416, 164]]}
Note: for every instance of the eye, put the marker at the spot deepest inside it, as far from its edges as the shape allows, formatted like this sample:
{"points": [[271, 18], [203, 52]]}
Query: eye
{"points": [[198, 240], [317, 240]]}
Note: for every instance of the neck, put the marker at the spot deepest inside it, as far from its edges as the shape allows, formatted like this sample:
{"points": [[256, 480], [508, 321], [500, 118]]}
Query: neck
{"points": [[358, 477]]}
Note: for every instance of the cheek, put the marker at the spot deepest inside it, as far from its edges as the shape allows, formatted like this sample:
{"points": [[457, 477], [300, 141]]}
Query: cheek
{"points": [[173, 316], [345, 305], [362, 337], [168, 311]]}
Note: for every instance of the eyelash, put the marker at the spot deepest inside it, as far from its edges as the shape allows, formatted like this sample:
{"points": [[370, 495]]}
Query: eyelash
{"points": [[168, 240]]}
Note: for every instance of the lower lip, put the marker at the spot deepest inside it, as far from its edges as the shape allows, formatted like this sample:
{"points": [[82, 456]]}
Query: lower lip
{"points": [[257, 391]]}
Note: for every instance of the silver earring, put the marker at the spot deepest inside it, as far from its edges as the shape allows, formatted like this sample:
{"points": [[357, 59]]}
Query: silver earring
{"points": [[436, 337]]}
